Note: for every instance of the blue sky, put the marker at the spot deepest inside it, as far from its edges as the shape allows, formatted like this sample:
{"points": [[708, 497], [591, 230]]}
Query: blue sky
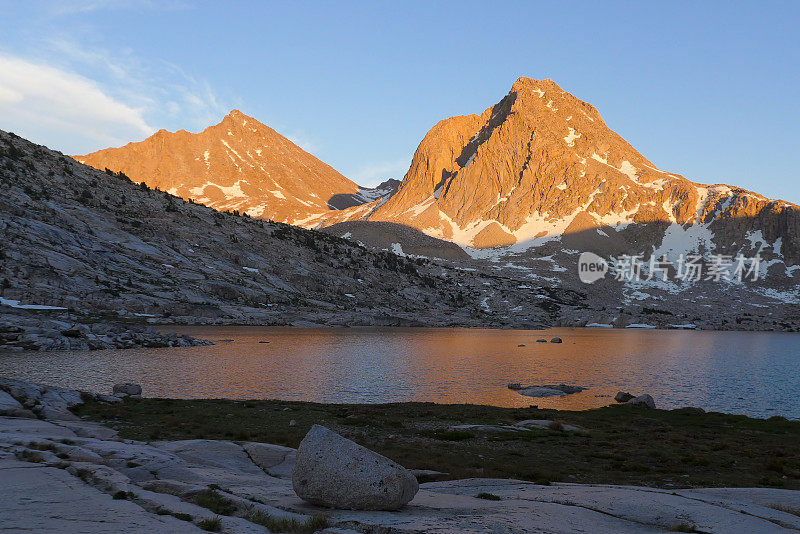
{"points": [[706, 89]]}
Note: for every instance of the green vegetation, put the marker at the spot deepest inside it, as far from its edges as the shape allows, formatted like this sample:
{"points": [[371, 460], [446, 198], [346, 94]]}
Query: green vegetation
{"points": [[487, 496], [215, 502], [282, 524], [618, 444], [684, 527], [211, 524]]}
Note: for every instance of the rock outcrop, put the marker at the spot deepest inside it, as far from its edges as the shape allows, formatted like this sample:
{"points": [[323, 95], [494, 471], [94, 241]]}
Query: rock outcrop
{"points": [[333, 471], [60, 329]]}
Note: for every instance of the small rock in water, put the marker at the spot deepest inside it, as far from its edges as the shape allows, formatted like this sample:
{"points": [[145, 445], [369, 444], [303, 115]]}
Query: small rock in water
{"points": [[263, 341], [292, 422], [548, 390], [541, 341], [623, 396], [521, 345], [330, 470], [556, 340], [646, 401], [127, 390]]}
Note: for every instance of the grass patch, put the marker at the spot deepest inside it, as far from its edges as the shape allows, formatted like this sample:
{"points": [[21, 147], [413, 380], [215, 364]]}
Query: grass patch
{"points": [[684, 527], [282, 524], [215, 502], [210, 524], [658, 448], [487, 496]]}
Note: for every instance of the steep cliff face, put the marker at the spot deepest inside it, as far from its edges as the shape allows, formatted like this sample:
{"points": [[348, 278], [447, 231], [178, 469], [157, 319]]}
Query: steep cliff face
{"points": [[238, 164], [542, 165]]}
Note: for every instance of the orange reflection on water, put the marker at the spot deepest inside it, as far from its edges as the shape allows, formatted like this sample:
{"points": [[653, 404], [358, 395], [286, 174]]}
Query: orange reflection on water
{"points": [[755, 373]]}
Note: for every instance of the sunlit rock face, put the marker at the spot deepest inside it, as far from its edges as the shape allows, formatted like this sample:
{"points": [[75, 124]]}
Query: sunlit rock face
{"points": [[238, 164], [542, 164]]}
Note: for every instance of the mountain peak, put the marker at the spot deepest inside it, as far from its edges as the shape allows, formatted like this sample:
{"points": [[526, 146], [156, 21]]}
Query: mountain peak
{"points": [[238, 164], [523, 82], [236, 117], [236, 114]]}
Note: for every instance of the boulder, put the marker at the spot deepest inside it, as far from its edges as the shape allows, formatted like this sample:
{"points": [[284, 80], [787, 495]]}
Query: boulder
{"points": [[127, 389], [541, 341], [645, 401], [332, 471], [622, 396], [515, 385], [556, 340]]}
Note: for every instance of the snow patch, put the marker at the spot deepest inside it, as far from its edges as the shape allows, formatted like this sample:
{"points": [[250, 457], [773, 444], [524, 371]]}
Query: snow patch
{"points": [[16, 304], [571, 137]]}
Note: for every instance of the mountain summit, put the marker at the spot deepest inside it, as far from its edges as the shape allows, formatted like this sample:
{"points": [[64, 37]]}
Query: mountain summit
{"points": [[238, 164], [541, 166]]}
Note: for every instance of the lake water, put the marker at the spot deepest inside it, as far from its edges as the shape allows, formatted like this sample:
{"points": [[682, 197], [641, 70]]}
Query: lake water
{"points": [[752, 373]]}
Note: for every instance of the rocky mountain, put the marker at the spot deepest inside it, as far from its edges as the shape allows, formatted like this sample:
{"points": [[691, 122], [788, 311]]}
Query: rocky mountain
{"points": [[539, 178], [238, 164], [542, 165]]}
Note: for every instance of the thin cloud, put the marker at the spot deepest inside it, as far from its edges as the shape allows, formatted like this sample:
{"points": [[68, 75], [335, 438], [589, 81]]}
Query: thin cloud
{"points": [[70, 7], [63, 109], [159, 87]]}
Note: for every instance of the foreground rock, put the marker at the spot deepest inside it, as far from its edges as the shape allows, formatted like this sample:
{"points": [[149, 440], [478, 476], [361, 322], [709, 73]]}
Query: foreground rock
{"points": [[333, 471]]}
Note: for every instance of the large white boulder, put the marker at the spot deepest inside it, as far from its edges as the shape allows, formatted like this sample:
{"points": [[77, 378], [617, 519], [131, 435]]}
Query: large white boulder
{"points": [[333, 471]]}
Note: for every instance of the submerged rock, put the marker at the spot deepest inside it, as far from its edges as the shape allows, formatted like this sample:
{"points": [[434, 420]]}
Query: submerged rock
{"points": [[332, 471], [548, 390]]}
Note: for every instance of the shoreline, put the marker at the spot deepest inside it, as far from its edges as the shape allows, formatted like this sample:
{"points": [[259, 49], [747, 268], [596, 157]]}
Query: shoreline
{"points": [[37, 332]]}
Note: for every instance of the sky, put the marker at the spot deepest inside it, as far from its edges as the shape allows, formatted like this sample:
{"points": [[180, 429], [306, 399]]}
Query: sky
{"points": [[705, 89]]}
